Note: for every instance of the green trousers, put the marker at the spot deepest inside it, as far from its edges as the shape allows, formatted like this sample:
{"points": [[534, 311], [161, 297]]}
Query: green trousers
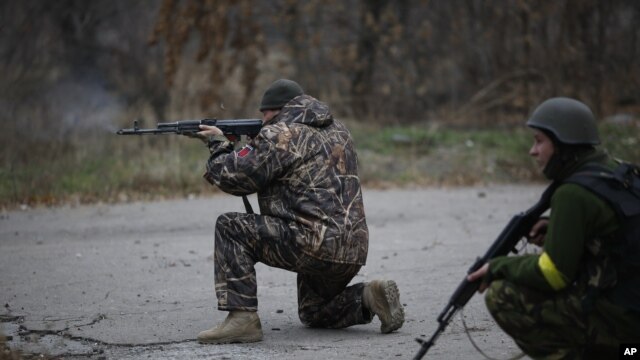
{"points": [[561, 325]]}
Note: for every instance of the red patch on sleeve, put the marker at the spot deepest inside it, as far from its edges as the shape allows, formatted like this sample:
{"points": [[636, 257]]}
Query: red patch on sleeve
{"points": [[244, 151]]}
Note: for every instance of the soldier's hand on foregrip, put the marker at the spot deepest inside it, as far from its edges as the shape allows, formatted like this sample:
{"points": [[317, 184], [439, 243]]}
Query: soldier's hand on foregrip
{"points": [[480, 275], [538, 232], [203, 138], [206, 130]]}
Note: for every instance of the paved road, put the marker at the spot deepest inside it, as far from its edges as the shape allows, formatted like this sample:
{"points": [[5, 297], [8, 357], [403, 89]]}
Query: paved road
{"points": [[135, 281]]}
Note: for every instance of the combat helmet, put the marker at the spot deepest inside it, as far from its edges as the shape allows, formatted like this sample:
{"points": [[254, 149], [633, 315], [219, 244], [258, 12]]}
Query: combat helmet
{"points": [[569, 120]]}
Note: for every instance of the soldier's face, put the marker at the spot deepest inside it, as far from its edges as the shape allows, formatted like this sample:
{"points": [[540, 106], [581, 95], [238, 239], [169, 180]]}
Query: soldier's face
{"points": [[267, 115], [542, 148]]}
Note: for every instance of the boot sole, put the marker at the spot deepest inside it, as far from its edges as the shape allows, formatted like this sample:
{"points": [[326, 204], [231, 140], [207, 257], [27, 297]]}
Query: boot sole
{"points": [[234, 340], [395, 318]]}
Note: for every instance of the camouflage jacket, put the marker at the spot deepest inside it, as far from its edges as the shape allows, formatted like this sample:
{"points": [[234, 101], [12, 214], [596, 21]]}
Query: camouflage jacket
{"points": [[303, 165]]}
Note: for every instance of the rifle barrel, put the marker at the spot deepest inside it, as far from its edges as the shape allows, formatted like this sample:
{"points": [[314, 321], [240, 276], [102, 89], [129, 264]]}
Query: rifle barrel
{"points": [[235, 127]]}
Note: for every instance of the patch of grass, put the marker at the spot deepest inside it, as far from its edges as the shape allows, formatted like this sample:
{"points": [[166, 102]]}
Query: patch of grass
{"points": [[126, 169], [437, 155], [122, 171], [622, 142]]}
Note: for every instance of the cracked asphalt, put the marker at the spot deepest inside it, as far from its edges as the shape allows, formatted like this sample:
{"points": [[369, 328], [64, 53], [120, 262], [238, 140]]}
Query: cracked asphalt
{"points": [[135, 281]]}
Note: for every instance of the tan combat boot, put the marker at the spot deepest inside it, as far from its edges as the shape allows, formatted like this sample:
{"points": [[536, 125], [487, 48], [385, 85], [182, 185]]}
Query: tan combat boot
{"points": [[238, 327], [382, 298]]}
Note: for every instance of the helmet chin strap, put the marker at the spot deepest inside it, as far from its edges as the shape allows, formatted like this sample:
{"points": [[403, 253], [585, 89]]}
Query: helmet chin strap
{"points": [[556, 161], [564, 156], [553, 167]]}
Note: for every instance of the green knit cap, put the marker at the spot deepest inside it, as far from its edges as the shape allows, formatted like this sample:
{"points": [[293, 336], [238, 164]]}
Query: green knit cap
{"points": [[279, 93]]}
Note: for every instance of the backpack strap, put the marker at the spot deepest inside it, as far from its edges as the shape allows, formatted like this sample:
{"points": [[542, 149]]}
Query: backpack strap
{"points": [[619, 187], [629, 176]]}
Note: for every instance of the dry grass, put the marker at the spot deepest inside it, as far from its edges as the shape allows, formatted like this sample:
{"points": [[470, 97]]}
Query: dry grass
{"points": [[121, 169]]}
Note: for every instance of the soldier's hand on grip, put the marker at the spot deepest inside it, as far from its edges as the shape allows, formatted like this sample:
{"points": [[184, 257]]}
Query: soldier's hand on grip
{"points": [[538, 232]]}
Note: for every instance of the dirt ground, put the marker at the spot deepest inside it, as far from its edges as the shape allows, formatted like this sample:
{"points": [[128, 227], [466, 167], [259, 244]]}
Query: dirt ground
{"points": [[135, 280]]}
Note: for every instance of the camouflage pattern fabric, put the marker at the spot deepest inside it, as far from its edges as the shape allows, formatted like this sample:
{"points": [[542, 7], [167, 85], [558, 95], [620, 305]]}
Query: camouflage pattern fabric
{"points": [[559, 326], [303, 165], [324, 300]]}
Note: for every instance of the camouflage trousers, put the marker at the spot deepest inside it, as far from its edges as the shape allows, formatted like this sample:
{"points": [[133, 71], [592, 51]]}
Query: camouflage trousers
{"points": [[324, 299], [558, 326]]}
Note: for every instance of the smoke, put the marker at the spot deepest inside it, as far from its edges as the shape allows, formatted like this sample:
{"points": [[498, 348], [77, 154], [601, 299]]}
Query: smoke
{"points": [[70, 111], [82, 109]]}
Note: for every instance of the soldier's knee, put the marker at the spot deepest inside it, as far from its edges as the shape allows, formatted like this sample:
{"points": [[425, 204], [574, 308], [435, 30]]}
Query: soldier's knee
{"points": [[497, 295], [490, 296], [228, 225], [502, 295], [224, 221]]}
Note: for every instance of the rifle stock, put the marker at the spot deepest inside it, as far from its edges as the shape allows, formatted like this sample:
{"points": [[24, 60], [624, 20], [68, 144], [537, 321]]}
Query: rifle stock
{"points": [[516, 229]]}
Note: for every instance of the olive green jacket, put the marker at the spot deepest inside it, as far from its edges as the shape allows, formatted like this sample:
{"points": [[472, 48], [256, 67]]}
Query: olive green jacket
{"points": [[580, 227]]}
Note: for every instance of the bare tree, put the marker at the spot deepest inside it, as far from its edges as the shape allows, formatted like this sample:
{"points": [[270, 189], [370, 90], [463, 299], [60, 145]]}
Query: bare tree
{"points": [[229, 37]]}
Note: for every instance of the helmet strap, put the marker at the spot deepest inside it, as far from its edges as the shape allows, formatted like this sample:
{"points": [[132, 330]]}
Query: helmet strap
{"points": [[564, 159]]}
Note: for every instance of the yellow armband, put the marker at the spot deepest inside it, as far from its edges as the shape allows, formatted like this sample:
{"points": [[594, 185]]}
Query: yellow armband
{"points": [[550, 272]]}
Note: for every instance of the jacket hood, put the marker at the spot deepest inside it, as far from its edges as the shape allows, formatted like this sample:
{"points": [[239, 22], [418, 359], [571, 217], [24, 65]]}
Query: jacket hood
{"points": [[305, 109]]}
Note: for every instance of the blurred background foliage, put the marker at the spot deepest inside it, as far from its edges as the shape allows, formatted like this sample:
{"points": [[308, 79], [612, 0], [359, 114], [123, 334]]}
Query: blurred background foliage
{"points": [[435, 92]]}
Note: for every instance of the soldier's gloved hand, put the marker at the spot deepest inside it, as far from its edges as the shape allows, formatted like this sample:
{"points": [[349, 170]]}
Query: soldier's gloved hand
{"points": [[206, 134], [208, 131], [538, 232], [483, 275], [203, 138]]}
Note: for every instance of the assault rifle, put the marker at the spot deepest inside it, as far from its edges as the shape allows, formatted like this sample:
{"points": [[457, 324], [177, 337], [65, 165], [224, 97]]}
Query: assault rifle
{"points": [[230, 128], [516, 229]]}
